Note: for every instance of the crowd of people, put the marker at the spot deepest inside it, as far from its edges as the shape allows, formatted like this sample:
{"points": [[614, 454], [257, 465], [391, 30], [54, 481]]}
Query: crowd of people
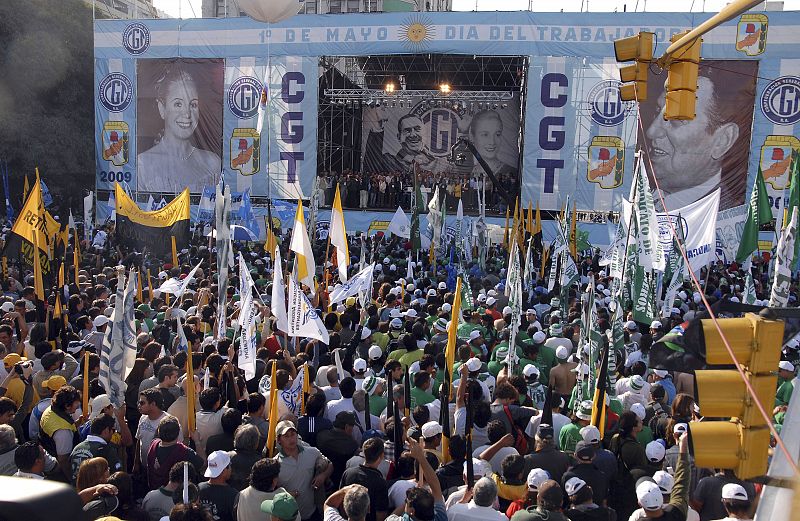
{"points": [[336, 454], [389, 190]]}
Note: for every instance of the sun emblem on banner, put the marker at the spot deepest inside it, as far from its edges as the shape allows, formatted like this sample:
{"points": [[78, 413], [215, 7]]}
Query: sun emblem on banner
{"points": [[777, 155], [415, 32]]}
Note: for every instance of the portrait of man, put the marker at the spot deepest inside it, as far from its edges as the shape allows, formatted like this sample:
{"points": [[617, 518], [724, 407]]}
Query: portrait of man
{"points": [[410, 137], [692, 158], [179, 123]]}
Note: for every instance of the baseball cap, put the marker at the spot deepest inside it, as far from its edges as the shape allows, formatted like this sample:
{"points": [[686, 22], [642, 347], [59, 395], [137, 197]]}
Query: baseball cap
{"points": [[638, 409], [359, 365], [649, 495], [218, 461], [431, 429], [507, 310], [100, 321], [655, 324], [365, 333], [98, 403], [480, 467], [590, 434], [661, 373], [374, 352], [539, 337], [637, 382], [56, 382], [481, 298], [536, 477], [734, 491], [630, 325], [431, 292], [573, 485], [562, 353], [411, 313], [474, 364], [680, 428], [584, 451], [440, 325], [395, 313], [447, 308], [584, 411], [555, 330], [442, 285], [396, 323], [370, 383], [664, 480], [491, 301], [284, 427], [282, 505], [655, 451], [531, 371], [544, 431], [13, 358], [530, 311], [786, 365], [7, 307], [474, 334]]}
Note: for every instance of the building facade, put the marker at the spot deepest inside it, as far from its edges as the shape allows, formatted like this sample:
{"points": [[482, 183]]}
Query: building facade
{"points": [[228, 8]]}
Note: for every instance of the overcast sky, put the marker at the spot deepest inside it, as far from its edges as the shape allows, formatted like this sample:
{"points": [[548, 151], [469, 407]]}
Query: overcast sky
{"points": [[191, 8]]}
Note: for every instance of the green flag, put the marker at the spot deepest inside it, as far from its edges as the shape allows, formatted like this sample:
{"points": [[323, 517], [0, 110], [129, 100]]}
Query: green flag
{"points": [[794, 199], [758, 213]]}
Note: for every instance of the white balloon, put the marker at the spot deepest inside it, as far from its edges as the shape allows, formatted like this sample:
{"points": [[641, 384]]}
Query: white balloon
{"points": [[270, 11]]}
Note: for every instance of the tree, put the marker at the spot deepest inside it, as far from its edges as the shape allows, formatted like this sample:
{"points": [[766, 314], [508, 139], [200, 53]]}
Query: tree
{"points": [[47, 97]]}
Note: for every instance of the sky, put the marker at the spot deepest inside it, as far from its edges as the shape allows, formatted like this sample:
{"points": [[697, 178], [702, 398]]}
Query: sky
{"points": [[191, 8]]}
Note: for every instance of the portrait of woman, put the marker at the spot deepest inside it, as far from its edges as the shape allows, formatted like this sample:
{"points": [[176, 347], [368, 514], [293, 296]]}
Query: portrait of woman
{"points": [[486, 133], [180, 125]]}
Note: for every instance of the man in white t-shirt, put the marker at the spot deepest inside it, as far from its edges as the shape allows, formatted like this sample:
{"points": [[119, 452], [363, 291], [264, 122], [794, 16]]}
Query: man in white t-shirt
{"points": [[151, 405], [480, 507]]}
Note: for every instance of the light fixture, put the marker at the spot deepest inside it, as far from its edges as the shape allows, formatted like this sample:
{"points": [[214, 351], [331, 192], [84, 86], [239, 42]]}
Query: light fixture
{"points": [[444, 88], [389, 88]]}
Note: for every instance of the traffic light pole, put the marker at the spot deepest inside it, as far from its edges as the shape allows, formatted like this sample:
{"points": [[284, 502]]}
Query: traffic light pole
{"points": [[728, 12]]}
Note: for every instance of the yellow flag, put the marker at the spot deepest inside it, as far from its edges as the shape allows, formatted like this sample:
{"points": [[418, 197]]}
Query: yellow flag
{"points": [[76, 256], [26, 189], [545, 259], [139, 291], [149, 287], [272, 242], [529, 220], [450, 354], [273, 412], [306, 389], [174, 252], [537, 223]]}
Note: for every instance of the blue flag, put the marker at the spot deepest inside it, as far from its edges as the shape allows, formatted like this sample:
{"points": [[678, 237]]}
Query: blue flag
{"points": [[46, 197], [9, 209]]}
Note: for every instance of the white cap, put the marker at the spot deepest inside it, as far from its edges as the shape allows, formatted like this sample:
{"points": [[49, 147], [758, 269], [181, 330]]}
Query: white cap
{"points": [[655, 324], [649, 495], [411, 313], [664, 480], [365, 333], [661, 373], [638, 409], [590, 434], [530, 311], [654, 451], [393, 267], [481, 468], [396, 323], [562, 352], [636, 382], [630, 324], [600, 287], [100, 321], [395, 313], [359, 365], [680, 428], [536, 477], [442, 285], [379, 267], [431, 292], [414, 368], [786, 365], [481, 298], [7, 307], [573, 485], [734, 491], [474, 364], [375, 352], [99, 403], [475, 333], [539, 337], [218, 461], [491, 301], [506, 310], [431, 429], [530, 371], [447, 308], [492, 293]]}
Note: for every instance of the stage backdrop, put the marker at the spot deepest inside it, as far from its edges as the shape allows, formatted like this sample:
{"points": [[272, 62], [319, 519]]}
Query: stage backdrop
{"points": [[579, 139]]}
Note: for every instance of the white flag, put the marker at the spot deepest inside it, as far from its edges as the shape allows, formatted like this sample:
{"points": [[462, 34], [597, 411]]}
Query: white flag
{"points": [[88, 205], [302, 247], [435, 218], [749, 295], [278, 301], [338, 236], [652, 254], [699, 221], [303, 318], [178, 287], [514, 292], [293, 395], [400, 225], [782, 281], [361, 281], [247, 314], [459, 223]]}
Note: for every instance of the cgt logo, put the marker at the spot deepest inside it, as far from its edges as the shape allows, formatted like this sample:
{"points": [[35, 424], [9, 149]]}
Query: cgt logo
{"points": [[136, 38], [115, 92], [665, 232], [440, 127], [607, 108], [553, 96], [244, 96], [780, 101]]}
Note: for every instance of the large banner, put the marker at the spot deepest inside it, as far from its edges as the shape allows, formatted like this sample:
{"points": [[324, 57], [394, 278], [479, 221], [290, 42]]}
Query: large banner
{"points": [[153, 230], [577, 137], [422, 131]]}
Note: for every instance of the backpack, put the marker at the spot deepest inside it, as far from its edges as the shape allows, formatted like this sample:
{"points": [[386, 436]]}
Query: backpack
{"points": [[520, 441], [658, 414]]}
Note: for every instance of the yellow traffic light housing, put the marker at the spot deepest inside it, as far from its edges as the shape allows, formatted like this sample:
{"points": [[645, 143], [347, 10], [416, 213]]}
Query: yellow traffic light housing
{"points": [[742, 443], [637, 48], [681, 82]]}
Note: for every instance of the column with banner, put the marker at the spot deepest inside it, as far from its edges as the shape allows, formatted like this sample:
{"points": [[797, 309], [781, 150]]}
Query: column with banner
{"points": [[115, 122], [288, 160]]}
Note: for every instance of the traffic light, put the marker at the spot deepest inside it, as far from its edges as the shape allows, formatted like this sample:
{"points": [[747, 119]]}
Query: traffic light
{"points": [[637, 48], [682, 80], [742, 443]]}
